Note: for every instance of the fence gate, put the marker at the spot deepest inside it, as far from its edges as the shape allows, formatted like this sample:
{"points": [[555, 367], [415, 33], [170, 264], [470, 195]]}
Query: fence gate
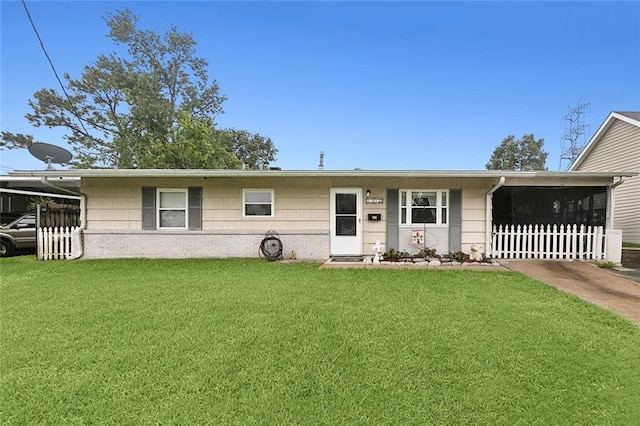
{"points": [[58, 235], [548, 242]]}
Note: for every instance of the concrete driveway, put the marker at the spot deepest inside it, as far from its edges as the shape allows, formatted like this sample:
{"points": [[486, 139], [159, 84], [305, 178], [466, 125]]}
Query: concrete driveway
{"points": [[598, 286]]}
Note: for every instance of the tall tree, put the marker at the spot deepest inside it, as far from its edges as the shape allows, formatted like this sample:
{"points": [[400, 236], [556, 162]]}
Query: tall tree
{"points": [[254, 150], [136, 110], [524, 154], [193, 144]]}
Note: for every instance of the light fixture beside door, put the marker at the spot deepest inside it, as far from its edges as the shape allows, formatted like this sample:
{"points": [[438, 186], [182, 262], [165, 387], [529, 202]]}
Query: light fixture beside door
{"points": [[373, 200]]}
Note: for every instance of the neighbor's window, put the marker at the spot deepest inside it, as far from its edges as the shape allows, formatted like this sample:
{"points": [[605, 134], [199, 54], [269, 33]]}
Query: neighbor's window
{"points": [[423, 206], [257, 203], [172, 208]]}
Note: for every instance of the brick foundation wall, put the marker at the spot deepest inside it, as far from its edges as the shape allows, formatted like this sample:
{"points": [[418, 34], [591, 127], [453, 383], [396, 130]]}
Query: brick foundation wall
{"points": [[308, 245], [631, 257]]}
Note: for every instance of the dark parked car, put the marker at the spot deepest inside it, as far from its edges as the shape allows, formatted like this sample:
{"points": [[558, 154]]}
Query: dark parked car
{"points": [[18, 235]]}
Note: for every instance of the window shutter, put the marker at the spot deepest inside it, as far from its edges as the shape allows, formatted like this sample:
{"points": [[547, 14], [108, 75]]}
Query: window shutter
{"points": [[393, 209], [195, 207], [148, 207], [455, 220]]}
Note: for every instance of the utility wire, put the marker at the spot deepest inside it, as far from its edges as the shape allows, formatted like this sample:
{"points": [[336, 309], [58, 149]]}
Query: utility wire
{"points": [[71, 105]]}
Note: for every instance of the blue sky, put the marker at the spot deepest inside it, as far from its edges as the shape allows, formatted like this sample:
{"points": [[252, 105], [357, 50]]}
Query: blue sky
{"points": [[375, 85]]}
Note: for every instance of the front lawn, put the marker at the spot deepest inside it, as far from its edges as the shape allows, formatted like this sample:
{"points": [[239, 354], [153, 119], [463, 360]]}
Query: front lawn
{"points": [[249, 342]]}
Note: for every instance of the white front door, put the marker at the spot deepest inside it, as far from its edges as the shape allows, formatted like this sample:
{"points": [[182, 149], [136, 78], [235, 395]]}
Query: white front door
{"points": [[346, 221]]}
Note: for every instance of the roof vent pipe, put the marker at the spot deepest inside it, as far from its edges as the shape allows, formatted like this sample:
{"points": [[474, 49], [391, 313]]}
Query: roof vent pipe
{"points": [[321, 166]]}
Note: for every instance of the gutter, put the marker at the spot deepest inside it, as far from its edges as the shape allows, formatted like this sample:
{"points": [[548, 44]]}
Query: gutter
{"points": [[620, 182], [40, 194], [489, 217], [76, 237]]}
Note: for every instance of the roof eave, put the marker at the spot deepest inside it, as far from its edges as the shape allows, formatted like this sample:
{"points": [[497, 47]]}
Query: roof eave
{"points": [[153, 173]]}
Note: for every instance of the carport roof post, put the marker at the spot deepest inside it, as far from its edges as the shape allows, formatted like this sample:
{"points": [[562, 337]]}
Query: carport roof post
{"points": [[489, 216]]}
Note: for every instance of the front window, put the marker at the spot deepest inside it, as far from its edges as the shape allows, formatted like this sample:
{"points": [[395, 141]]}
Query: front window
{"points": [[257, 203], [172, 208], [423, 207]]}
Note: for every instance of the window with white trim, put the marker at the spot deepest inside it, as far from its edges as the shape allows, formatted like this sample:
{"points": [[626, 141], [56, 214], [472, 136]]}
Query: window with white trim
{"points": [[257, 203], [172, 208], [423, 207]]}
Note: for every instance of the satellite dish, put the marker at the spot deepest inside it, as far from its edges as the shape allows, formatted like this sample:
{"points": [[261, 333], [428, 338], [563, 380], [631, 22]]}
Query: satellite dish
{"points": [[50, 154]]}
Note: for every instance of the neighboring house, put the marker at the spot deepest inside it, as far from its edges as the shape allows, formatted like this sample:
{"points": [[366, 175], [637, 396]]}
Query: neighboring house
{"points": [[317, 214], [616, 146]]}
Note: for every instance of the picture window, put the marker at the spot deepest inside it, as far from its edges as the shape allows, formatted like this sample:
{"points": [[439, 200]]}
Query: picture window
{"points": [[423, 207]]}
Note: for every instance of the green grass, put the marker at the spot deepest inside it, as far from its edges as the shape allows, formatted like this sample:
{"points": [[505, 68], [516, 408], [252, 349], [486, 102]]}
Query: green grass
{"points": [[630, 245], [248, 342]]}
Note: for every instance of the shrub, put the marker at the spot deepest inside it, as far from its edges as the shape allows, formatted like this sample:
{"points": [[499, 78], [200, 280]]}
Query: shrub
{"points": [[427, 252], [460, 256], [605, 264]]}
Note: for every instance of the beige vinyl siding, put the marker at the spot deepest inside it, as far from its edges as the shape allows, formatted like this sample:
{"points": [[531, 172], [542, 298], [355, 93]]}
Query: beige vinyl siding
{"points": [[301, 214], [473, 206], [116, 207], [301, 205], [373, 231], [619, 149], [116, 204], [473, 216], [114, 219], [293, 209]]}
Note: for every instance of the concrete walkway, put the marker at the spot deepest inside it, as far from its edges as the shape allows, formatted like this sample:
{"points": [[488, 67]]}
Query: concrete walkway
{"points": [[595, 285]]}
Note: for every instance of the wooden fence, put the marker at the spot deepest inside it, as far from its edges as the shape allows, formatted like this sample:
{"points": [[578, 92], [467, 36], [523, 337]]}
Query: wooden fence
{"points": [[59, 215], [58, 243], [548, 242]]}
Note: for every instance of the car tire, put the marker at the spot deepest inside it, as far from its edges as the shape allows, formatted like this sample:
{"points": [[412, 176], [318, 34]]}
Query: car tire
{"points": [[6, 248]]}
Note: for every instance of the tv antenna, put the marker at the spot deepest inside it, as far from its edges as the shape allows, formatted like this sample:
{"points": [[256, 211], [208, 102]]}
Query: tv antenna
{"points": [[574, 137], [50, 154]]}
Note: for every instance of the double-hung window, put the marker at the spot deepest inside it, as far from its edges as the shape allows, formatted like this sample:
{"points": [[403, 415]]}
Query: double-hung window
{"points": [[172, 208], [257, 203], [423, 207]]}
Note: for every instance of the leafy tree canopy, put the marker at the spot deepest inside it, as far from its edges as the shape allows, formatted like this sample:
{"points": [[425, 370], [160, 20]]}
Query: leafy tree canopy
{"points": [[524, 154], [154, 107]]}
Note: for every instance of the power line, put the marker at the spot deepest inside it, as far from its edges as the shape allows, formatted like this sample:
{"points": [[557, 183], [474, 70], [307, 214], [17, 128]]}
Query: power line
{"points": [[72, 107]]}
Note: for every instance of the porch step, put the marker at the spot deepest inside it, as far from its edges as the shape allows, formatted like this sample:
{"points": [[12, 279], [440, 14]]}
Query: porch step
{"points": [[346, 259]]}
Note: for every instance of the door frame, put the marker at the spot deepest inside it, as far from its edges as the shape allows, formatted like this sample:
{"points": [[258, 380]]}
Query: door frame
{"points": [[345, 245]]}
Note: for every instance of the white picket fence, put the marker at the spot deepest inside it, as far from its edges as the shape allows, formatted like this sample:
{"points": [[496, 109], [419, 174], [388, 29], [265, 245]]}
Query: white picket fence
{"points": [[58, 243], [548, 242]]}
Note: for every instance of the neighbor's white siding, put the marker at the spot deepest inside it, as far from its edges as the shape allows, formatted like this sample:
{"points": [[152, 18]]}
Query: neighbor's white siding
{"points": [[619, 150]]}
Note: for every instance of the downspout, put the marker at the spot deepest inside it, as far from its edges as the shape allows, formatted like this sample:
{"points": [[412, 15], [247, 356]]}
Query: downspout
{"points": [[83, 218], [611, 202], [488, 244]]}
